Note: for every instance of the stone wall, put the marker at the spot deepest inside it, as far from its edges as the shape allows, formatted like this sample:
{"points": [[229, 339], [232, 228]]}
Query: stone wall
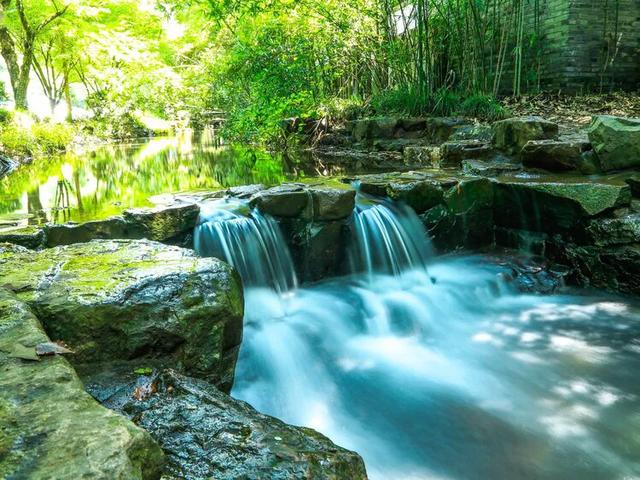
{"points": [[569, 42]]}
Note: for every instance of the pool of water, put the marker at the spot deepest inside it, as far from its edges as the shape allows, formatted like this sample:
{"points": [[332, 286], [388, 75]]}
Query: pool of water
{"points": [[450, 373], [103, 181]]}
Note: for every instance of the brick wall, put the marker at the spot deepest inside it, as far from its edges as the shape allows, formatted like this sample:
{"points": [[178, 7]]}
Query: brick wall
{"points": [[571, 41]]}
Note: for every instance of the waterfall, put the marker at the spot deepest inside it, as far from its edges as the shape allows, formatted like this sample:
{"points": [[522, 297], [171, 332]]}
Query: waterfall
{"points": [[248, 240], [389, 238], [449, 373]]}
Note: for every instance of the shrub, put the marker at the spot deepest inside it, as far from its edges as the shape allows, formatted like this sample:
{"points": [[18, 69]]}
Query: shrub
{"points": [[6, 116], [401, 100], [18, 141], [52, 137], [483, 106]]}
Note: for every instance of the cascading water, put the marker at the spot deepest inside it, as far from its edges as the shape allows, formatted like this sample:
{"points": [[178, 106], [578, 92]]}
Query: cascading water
{"points": [[389, 238], [246, 239], [446, 375]]}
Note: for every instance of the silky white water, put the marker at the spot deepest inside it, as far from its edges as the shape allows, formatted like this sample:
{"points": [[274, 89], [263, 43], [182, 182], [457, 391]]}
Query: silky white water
{"points": [[446, 371]]}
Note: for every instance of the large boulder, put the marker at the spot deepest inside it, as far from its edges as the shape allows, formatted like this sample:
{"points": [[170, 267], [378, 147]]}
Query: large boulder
{"points": [[512, 134], [129, 299], [616, 141], [50, 427], [207, 434], [553, 206], [555, 155], [471, 204]]}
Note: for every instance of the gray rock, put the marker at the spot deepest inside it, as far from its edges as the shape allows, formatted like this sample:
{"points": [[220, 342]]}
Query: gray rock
{"points": [[512, 134], [110, 228], [28, 237], [288, 200], [420, 195], [330, 203], [440, 129], [613, 231], [483, 133], [634, 184], [490, 168], [554, 155], [421, 155], [616, 141], [453, 153], [130, 299], [207, 434], [51, 428], [415, 124], [553, 206]]}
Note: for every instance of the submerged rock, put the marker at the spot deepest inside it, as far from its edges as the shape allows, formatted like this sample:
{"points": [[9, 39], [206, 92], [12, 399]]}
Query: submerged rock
{"points": [[207, 434], [512, 134], [616, 141], [50, 427], [133, 299]]}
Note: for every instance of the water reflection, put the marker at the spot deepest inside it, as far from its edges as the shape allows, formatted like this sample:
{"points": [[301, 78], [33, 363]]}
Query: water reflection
{"points": [[106, 180]]}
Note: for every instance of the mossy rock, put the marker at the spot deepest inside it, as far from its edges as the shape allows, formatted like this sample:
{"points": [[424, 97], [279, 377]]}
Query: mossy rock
{"points": [[126, 299], [50, 427], [616, 141], [512, 134], [555, 206]]}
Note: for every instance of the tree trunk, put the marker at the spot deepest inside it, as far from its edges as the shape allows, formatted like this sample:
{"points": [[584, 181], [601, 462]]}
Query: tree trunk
{"points": [[67, 101], [53, 103]]}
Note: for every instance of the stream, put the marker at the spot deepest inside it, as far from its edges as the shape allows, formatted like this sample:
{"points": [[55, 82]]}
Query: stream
{"points": [[433, 367], [430, 367]]}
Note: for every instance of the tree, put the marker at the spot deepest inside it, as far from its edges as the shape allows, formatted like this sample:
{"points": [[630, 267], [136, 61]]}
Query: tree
{"points": [[20, 35]]}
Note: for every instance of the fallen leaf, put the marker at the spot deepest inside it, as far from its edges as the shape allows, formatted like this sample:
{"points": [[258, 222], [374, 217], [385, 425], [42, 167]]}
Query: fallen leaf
{"points": [[145, 391]]}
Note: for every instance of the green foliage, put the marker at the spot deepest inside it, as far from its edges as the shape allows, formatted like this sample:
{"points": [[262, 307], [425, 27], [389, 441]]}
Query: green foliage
{"points": [[483, 106], [22, 138], [402, 100], [6, 116], [52, 138]]}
